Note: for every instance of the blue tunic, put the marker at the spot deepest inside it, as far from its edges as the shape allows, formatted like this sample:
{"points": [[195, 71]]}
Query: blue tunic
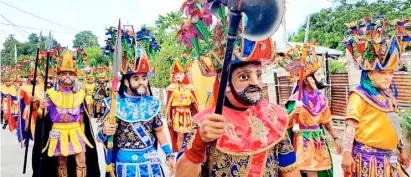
{"points": [[134, 152]]}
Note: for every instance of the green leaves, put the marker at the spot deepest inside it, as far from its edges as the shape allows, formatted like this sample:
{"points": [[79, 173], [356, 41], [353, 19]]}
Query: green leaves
{"points": [[85, 39], [27, 49], [335, 66], [328, 26]]}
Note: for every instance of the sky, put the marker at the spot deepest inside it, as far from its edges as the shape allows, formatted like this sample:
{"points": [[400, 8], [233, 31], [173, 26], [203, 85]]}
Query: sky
{"points": [[96, 15]]}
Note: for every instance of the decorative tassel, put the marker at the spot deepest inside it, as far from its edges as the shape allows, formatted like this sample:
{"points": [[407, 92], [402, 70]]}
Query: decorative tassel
{"points": [[110, 169], [57, 86], [110, 145]]}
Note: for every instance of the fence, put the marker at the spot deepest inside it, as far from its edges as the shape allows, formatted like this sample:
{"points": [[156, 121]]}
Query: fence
{"points": [[339, 89], [403, 84]]}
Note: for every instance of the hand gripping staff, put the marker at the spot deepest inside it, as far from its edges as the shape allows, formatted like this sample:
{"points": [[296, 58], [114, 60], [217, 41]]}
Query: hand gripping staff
{"points": [[264, 18]]}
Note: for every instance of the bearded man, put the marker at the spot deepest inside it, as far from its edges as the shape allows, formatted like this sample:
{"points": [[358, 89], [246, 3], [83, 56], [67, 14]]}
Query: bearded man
{"points": [[309, 112], [251, 135], [139, 128], [67, 129]]}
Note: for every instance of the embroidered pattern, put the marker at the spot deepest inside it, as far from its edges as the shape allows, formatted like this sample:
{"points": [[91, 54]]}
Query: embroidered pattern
{"points": [[230, 165], [127, 138], [230, 131], [271, 112], [311, 105], [132, 110], [258, 130], [285, 146]]}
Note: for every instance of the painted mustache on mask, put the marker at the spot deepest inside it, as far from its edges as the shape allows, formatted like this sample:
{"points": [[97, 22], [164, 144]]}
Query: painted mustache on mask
{"points": [[67, 82], [245, 98], [318, 84], [136, 90]]}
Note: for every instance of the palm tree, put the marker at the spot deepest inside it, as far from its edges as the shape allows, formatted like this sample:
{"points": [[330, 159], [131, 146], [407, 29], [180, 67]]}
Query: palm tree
{"points": [[171, 21]]}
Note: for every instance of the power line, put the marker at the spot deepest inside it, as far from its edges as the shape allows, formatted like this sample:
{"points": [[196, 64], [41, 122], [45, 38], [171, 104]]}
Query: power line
{"points": [[39, 17], [12, 24], [28, 27]]}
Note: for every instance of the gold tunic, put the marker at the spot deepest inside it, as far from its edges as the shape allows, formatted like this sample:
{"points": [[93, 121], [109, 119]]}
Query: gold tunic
{"points": [[374, 127], [181, 97], [89, 89]]}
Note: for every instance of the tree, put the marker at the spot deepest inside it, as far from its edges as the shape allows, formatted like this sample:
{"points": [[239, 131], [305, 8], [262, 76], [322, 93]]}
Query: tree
{"points": [[85, 39], [27, 49], [94, 57], [171, 21], [328, 26], [7, 53], [165, 33]]}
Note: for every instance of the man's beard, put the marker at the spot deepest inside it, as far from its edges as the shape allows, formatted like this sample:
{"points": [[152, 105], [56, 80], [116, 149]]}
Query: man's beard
{"points": [[135, 90], [244, 98], [67, 82], [318, 84]]}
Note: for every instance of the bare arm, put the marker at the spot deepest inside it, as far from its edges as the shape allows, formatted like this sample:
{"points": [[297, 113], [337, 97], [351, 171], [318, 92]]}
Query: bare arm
{"points": [[330, 130], [292, 173], [161, 137], [349, 135], [187, 168]]}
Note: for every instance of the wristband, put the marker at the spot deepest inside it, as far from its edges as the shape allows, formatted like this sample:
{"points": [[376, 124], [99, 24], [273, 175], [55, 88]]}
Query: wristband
{"points": [[167, 149], [101, 136], [171, 156], [196, 152]]}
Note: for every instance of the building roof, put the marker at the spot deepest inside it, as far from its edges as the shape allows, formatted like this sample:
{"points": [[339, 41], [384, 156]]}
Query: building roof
{"points": [[282, 48]]}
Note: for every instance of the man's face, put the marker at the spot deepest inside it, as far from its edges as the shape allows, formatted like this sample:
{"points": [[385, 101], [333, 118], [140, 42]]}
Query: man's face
{"points": [[316, 80], [67, 79], [90, 80], [381, 79], [137, 84], [246, 85], [101, 80], [50, 81], [179, 77], [8, 83]]}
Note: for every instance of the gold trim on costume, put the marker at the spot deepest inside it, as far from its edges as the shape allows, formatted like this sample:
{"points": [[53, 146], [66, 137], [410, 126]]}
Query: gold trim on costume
{"points": [[282, 137], [289, 167], [62, 132], [66, 101], [373, 104]]}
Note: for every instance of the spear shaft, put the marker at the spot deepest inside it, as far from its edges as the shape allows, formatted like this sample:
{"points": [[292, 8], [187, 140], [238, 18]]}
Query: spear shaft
{"points": [[43, 113], [31, 112]]}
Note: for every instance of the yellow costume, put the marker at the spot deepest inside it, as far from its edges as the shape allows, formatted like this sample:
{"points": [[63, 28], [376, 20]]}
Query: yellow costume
{"points": [[181, 103], [89, 89], [66, 138], [378, 133]]}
